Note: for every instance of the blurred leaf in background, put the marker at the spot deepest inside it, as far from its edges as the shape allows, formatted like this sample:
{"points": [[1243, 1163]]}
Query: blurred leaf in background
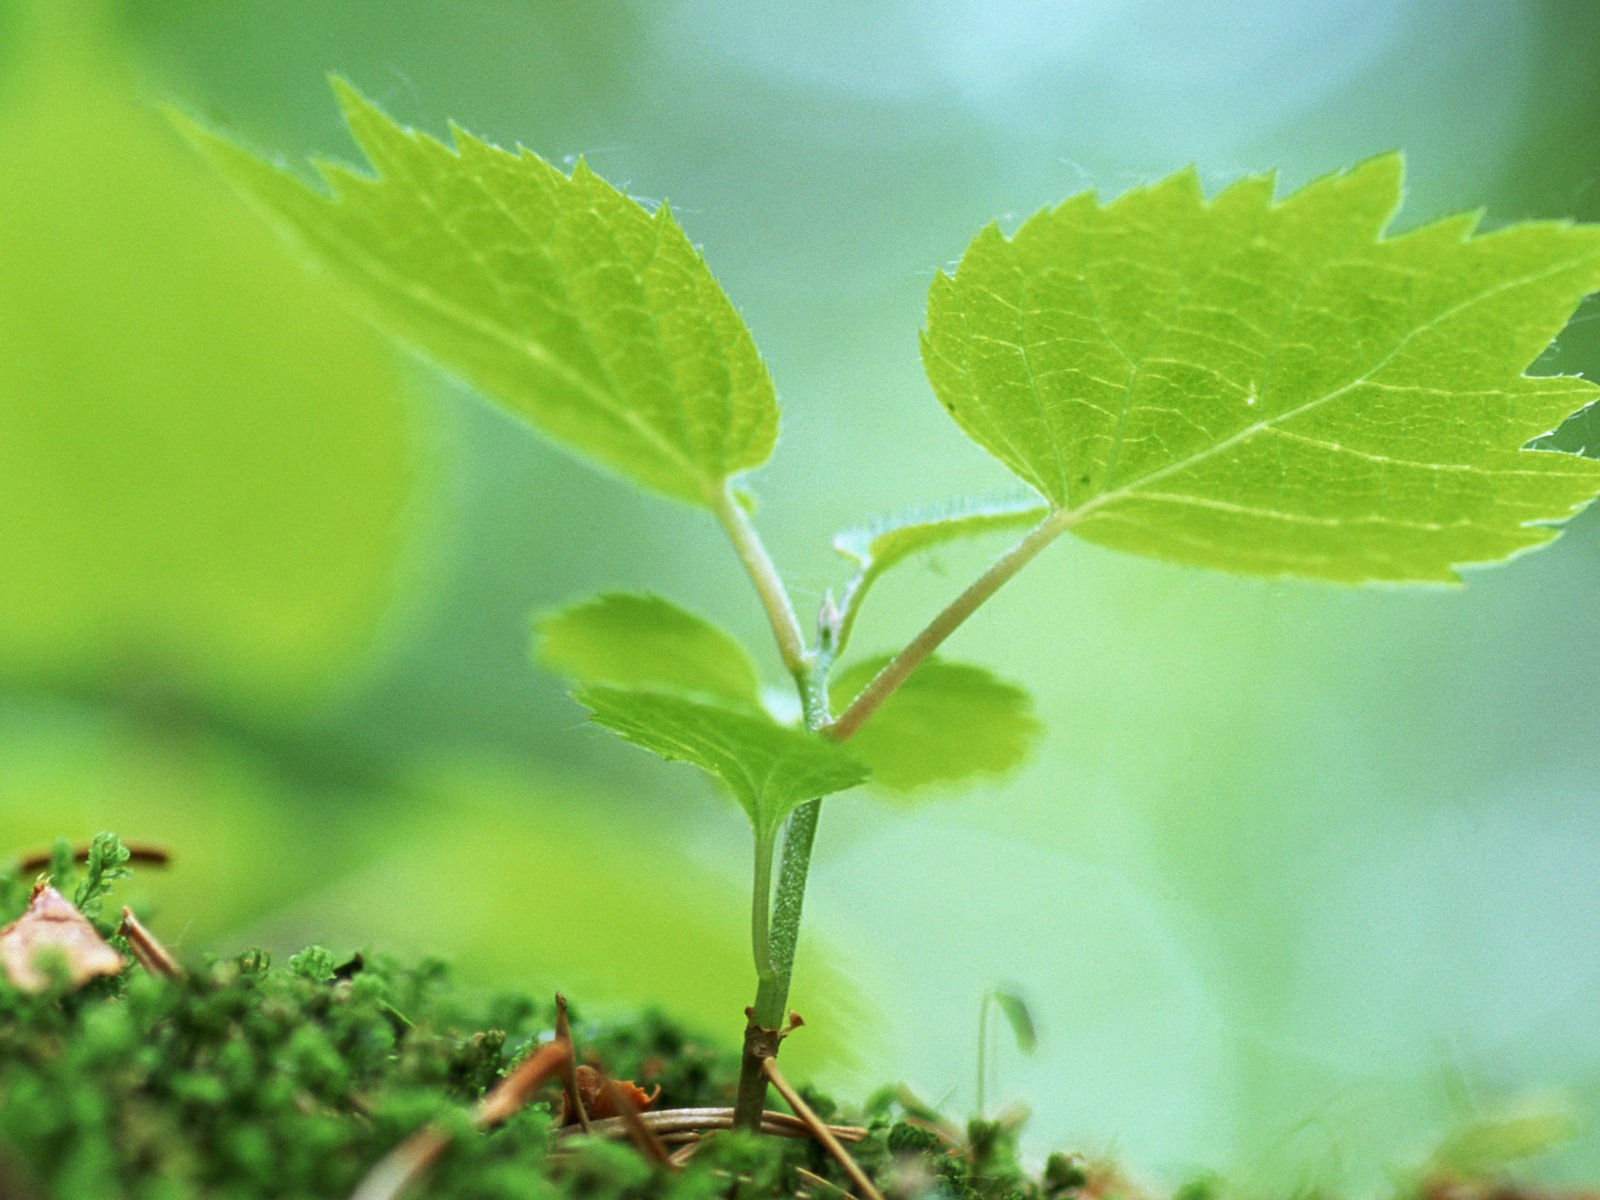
{"points": [[205, 459]]}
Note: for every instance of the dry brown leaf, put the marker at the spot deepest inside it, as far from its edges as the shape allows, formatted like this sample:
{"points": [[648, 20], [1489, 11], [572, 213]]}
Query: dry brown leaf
{"points": [[598, 1104], [53, 929]]}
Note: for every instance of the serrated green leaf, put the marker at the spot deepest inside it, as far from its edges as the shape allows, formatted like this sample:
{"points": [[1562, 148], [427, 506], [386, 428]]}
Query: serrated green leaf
{"points": [[949, 721], [646, 642], [769, 768], [559, 296], [1273, 388]]}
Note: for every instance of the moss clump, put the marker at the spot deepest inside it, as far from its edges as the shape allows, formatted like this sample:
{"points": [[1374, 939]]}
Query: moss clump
{"points": [[247, 1078], [244, 1079]]}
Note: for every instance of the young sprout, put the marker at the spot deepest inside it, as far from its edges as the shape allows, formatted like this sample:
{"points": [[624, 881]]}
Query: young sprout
{"points": [[1263, 385]]}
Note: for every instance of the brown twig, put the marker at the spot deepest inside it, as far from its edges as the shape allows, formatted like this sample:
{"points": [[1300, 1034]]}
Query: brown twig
{"points": [[816, 1180], [408, 1161], [688, 1150], [769, 1068], [678, 1125], [403, 1165], [508, 1096], [143, 853], [643, 1136], [569, 1069], [147, 949]]}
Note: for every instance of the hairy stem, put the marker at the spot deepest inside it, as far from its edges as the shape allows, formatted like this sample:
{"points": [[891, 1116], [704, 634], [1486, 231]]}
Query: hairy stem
{"points": [[765, 1026], [780, 612], [764, 1029], [899, 668], [761, 907]]}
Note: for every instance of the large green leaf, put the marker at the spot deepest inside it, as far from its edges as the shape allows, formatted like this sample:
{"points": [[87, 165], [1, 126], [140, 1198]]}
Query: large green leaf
{"points": [[557, 295], [647, 642], [1275, 388], [948, 722], [769, 768]]}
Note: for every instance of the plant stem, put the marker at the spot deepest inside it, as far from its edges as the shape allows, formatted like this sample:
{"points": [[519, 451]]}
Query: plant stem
{"points": [[983, 1047], [761, 906], [785, 625], [775, 923], [900, 667], [763, 1030]]}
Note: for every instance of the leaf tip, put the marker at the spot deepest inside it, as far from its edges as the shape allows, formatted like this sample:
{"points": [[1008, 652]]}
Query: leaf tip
{"points": [[379, 135], [462, 139], [1185, 179], [351, 100], [1384, 173], [1249, 191]]}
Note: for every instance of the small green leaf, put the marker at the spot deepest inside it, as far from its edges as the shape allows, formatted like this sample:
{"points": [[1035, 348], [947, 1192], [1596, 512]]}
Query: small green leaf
{"points": [[646, 642], [107, 862], [1273, 388], [559, 296], [315, 963], [881, 544], [769, 768], [947, 722], [1017, 1014]]}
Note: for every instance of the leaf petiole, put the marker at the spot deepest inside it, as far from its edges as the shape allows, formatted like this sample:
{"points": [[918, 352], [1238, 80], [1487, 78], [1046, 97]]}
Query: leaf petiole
{"points": [[780, 612]]}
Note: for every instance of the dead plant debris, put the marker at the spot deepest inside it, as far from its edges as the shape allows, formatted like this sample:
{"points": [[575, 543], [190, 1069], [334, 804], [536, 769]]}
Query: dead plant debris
{"points": [[53, 942]]}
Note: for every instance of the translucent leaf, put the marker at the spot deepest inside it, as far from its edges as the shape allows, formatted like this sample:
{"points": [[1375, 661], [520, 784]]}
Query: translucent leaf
{"points": [[559, 296], [947, 722], [645, 641], [1274, 388], [769, 768]]}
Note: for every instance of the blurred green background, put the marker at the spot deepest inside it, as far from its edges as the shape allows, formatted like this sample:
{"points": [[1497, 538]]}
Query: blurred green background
{"points": [[1300, 878]]}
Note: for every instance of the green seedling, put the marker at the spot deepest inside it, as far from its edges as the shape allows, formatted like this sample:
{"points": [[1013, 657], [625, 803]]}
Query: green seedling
{"points": [[1264, 385], [1018, 1016]]}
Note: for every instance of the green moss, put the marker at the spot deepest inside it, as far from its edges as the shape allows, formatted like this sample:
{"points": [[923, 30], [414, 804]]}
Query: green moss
{"points": [[248, 1080]]}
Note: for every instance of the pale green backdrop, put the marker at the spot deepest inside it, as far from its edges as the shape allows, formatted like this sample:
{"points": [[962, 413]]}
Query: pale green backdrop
{"points": [[1300, 878]]}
